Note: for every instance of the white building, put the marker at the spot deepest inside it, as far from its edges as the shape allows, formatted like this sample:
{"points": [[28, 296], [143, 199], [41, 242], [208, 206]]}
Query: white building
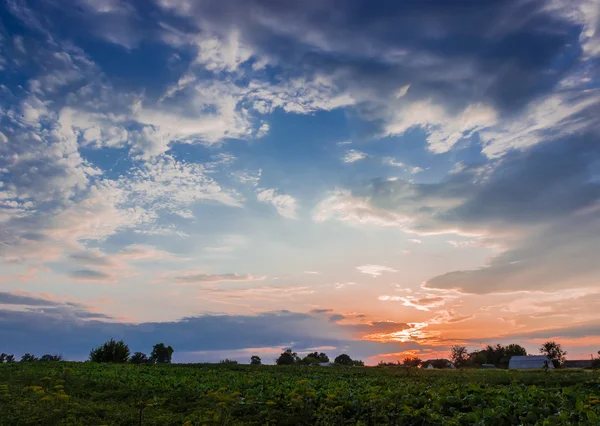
{"points": [[530, 362]]}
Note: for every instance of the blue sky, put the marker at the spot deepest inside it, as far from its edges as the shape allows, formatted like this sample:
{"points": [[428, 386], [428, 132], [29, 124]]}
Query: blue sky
{"points": [[236, 177]]}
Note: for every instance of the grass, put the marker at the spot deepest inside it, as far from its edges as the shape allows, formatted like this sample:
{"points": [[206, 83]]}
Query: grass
{"points": [[62, 393]]}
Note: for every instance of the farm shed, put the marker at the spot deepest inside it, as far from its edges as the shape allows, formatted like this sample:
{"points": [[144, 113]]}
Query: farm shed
{"points": [[529, 362], [437, 363]]}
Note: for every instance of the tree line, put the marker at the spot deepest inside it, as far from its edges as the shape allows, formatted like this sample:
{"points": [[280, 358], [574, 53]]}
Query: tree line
{"points": [[289, 357], [497, 355]]}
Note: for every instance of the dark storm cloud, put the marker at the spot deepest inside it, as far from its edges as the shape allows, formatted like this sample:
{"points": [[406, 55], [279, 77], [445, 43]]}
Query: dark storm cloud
{"points": [[74, 337]]}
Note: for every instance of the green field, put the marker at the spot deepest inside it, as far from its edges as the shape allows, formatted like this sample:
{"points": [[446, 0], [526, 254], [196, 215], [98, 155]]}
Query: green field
{"points": [[101, 394]]}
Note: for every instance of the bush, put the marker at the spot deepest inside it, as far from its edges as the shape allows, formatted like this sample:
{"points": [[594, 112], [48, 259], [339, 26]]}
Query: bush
{"points": [[111, 351], [139, 358], [51, 358], [28, 358]]}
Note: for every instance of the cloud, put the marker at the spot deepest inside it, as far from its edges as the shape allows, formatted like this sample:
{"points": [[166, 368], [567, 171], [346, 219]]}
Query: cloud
{"points": [[415, 240], [22, 303], [90, 275], [419, 303], [72, 336], [352, 156], [284, 204], [374, 270], [194, 278]]}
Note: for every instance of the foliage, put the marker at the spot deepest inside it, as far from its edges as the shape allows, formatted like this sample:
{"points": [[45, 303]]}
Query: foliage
{"points": [[314, 358], [436, 363], [139, 358], [459, 355], [554, 351], [111, 351], [411, 361], [161, 354], [51, 358], [343, 359], [114, 394], [227, 361], [28, 358], [497, 355], [287, 357], [6, 358], [255, 360]]}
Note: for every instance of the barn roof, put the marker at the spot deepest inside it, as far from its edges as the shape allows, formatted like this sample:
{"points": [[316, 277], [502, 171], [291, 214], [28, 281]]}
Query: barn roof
{"points": [[531, 361]]}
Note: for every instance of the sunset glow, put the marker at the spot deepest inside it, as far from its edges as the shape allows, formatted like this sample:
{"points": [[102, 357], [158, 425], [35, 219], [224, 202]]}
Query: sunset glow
{"points": [[238, 177]]}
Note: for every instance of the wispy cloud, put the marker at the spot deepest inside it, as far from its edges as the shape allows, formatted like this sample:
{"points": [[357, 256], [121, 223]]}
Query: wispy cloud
{"points": [[353, 155], [374, 270]]}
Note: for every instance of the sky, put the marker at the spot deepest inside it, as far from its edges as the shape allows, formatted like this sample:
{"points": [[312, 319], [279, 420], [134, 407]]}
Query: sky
{"points": [[237, 177]]}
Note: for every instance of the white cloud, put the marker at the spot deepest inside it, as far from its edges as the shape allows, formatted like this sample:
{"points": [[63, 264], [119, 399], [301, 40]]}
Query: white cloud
{"points": [[415, 240], [353, 156], [443, 129], [552, 117], [344, 207], [392, 162], [283, 203], [374, 270], [174, 186]]}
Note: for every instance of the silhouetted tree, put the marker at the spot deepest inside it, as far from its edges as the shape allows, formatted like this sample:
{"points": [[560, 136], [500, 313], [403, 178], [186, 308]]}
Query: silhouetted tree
{"points": [[139, 358], [343, 359], [6, 358], [411, 361], [555, 352], [111, 351], [28, 358], [358, 363], [228, 361], [51, 358], [255, 360], [161, 354], [287, 357], [314, 358], [459, 355]]}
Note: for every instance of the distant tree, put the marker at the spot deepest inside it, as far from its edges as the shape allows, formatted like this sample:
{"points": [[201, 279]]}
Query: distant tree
{"points": [[228, 361], [6, 358], [478, 358], [459, 355], [287, 357], [411, 361], [255, 360], [161, 354], [28, 358], [139, 358], [436, 363], [596, 361], [553, 351], [388, 364], [343, 359], [51, 358], [111, 351], [358, 363]]}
